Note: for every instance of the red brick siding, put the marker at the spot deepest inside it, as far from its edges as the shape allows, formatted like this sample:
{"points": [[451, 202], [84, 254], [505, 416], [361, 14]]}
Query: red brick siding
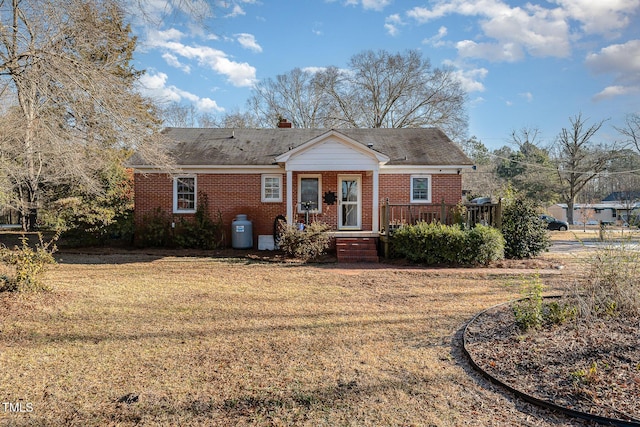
{"points": [[397, 188], [229, 194], [233, 194], [330, 183]]}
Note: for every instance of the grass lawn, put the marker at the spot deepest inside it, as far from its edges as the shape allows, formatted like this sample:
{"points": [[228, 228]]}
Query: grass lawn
{"points": [[204, 341]]}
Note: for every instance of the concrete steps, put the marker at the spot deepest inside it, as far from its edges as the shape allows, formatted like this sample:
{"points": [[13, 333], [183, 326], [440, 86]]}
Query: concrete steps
{"points": [[356, 249]]}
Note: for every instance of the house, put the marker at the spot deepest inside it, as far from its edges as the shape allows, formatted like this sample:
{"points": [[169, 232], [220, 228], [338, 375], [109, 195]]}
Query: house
{"points": [[343, 176], [594, 213]]}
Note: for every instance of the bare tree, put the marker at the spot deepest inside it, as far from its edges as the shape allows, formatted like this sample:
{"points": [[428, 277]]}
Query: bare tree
{"points": [[398, 91], [632, 130], [296, 96], [177, 115], [378, 90], [579, 159], [66, 66]]}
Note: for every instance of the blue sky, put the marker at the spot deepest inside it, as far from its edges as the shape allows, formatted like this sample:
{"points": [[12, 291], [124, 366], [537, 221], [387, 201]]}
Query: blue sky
{"points": [[523, 64]]}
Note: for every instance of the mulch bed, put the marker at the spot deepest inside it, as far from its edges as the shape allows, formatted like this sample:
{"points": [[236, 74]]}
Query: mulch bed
{"points": [[589, 367]]}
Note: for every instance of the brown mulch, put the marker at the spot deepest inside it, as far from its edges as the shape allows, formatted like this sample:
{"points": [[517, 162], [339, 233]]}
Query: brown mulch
{"points": [[590, 367]]}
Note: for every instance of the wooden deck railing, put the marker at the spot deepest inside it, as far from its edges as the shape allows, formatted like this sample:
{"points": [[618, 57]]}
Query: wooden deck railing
{"points": [[394, 216]]}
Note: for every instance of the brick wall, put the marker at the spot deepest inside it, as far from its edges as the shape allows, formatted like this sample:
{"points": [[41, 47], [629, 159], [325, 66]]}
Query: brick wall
{"points": [[329, 213], [229, 194], [233, 194], [398, 187]]}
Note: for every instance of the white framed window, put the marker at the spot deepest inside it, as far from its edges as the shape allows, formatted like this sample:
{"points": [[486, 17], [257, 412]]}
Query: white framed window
{"points": [[184, 194], [420, 188], [310, 190], [271, 188]]}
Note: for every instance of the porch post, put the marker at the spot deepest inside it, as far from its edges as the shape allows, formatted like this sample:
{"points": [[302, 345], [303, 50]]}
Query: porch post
{"points": [[375, 214], [289, 197]]}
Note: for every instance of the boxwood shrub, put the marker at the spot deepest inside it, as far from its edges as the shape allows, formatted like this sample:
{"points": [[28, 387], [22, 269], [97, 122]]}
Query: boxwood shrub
{"points": [[438, 244]]}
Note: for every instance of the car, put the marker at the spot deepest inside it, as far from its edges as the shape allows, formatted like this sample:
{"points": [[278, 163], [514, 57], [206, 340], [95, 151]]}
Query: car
{"points": [[555, 224]]}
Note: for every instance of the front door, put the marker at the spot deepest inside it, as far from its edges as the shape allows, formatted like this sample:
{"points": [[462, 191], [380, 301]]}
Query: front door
{"points": [[349, 202]]}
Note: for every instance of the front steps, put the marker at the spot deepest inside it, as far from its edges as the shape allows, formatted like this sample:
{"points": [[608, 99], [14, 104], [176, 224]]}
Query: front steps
{"points": [[356, 249]]}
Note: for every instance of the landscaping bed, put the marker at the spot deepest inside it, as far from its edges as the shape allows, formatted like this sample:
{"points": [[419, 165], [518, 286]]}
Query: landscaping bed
{"points": [[588, 367]]}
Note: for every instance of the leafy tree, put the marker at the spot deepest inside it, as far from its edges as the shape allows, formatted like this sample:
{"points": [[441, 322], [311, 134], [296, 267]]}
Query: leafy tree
{"points": [[529, 169]]}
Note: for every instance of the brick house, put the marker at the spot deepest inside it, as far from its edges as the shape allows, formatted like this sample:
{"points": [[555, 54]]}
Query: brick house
{"points": [[345, 175]]}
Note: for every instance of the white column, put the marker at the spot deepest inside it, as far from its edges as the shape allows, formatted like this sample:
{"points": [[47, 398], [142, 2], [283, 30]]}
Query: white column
{"points": [[375, 214], [290, 197]]}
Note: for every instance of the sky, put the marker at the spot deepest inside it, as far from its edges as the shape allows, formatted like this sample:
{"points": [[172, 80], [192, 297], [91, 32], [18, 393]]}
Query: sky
{"points": [[523, 64]]}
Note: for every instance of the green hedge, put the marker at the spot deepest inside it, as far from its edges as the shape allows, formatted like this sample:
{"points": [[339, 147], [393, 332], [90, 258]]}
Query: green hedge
{"points": [[434, 244]]}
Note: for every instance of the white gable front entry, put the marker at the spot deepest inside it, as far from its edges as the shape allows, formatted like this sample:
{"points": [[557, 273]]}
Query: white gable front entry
{"points": [[335, 152]]}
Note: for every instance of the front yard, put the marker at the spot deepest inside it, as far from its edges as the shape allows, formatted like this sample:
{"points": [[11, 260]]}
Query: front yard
{"points": [[202, 341]]}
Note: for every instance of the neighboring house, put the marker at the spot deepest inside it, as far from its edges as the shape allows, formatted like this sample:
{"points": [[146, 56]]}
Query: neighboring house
{"points": [[592, 214], [346, 174], [624, 197]]}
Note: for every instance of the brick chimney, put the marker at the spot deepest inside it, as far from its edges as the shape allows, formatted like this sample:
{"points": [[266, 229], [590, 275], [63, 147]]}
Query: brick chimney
{"points": [[284, 123]]}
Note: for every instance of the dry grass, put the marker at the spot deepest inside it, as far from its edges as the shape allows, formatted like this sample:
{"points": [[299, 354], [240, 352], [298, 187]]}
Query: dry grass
{"points": [[202, 341]]}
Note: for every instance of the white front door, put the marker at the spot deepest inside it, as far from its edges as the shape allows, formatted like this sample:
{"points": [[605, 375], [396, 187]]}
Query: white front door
{"points": [[349, 202]]}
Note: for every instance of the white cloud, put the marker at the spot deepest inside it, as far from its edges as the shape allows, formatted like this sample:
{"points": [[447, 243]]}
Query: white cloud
{"points": [[476, 102], [367, 4], [511, 31], [392, 24], [208, 105], [600, 17], [174, 62], [623, 62], [508, 52], [154, 85], [239, 74], [237, 10], [610, 92], [436, 41], [313, 70], [620, 59], [375, 4], [471, 79], [248, 41], [528, 96]]}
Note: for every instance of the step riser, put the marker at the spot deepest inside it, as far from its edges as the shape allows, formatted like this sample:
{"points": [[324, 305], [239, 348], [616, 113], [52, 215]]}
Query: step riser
{"points": [[355, 250]]}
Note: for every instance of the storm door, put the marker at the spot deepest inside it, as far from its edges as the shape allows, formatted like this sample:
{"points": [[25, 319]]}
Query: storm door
{"points": [[350, 203]]}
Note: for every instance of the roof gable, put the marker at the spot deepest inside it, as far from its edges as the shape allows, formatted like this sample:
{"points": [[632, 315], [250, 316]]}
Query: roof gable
{"points": [[334, 149]]}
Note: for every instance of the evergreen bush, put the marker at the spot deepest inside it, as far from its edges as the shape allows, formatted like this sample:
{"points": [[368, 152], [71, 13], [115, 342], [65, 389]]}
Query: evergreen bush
{"points": [[525, 234], [435, 243]]}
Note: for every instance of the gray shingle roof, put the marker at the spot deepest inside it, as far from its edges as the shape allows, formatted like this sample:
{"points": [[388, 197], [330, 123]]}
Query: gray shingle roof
{"points": [[215, 146]]}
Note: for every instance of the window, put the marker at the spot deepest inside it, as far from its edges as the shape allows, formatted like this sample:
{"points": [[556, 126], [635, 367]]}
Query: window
{"points": [[310, 190], [184, 194], [271, 188], [421, 189]]}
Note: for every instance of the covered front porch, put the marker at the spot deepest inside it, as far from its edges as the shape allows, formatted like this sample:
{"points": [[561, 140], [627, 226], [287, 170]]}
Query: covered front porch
{"points": [[336, 180]]}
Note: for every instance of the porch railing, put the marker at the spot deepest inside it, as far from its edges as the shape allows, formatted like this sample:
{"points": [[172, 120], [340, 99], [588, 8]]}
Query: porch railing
{"points": [[394, 216]]}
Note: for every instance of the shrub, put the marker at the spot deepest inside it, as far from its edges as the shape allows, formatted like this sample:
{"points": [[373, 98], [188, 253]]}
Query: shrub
{"points": [[305, 244], [28, 264], [155, 229], [531, 311], [612, 283], [525, 234], [203, 232], [435, 243], [484, 244]]}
